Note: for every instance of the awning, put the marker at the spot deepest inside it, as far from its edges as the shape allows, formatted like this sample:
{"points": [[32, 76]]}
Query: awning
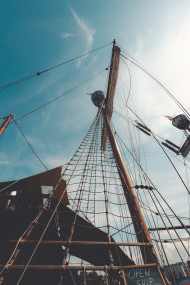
{"points": [[85, 231]]}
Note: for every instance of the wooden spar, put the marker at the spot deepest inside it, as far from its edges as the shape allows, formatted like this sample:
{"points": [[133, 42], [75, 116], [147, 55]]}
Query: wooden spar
{"points": [[142, 233], [4, 197], [148, 252], [113, 75], [169, 228], [74, 267], [5, 124], [80, 242]]}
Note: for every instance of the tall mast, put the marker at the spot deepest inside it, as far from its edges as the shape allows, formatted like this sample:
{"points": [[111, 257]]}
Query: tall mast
{"points": [[142, 233], [113, 75], [148, 252], [6, 122]]}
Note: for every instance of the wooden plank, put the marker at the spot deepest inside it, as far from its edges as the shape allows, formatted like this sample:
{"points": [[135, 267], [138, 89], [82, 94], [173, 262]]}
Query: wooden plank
{"points": [[169, 228], [5, 124], [81, 242], [74, 267], [114, 69]]}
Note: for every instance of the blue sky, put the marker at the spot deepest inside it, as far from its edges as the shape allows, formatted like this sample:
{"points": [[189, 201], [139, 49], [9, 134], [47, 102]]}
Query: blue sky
{"points": [[36, 35]]}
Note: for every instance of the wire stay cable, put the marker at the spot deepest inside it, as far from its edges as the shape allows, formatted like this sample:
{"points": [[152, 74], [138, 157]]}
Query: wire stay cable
{"points": [[58, 97], [48, 69], [161, 85], [33, 151]]}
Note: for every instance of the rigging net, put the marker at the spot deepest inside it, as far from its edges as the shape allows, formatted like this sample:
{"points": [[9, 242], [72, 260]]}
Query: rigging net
{"points": [[98, 216], [97, 204], [98, 212]]}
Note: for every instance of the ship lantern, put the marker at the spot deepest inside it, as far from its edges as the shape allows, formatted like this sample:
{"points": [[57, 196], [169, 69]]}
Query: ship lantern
{"points": [[98, 98]]}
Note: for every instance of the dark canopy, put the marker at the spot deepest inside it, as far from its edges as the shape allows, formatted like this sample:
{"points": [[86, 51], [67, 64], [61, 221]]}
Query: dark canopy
{"points": [[33, 185]]}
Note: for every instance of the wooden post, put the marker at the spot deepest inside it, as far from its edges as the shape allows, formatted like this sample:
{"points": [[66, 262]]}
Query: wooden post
{"points": [[5, 124], [23, 241], [113, 75], [70, 267]]}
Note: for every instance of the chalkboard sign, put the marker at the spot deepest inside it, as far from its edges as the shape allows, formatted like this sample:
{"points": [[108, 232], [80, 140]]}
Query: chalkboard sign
{"points": [[185, 282], [146, 275]]}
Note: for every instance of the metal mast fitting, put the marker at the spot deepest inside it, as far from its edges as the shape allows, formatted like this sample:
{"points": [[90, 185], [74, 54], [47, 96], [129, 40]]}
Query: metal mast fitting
{"points": [[113, 75]]}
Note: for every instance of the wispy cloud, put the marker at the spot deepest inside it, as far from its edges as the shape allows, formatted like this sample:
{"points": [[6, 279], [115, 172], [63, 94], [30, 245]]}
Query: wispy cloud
{"points": [[169, 59], [92, 62], [86, 32], [68, 35]]}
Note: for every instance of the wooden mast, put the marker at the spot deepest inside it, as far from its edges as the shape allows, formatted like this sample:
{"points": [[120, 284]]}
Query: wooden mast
{"points": [[5, 124], [148, 252], [113, 75], [142, 233]]}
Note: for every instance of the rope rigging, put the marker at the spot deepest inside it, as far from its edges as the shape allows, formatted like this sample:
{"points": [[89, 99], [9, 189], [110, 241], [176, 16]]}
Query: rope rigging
{"points": [[33, 151], [58, 97], [54, 211], [81, 200], [98, 211], [132, 122], [157, 210], [159, 138], [97, 171], [165, 154], [177, 217], [160, 84]]}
